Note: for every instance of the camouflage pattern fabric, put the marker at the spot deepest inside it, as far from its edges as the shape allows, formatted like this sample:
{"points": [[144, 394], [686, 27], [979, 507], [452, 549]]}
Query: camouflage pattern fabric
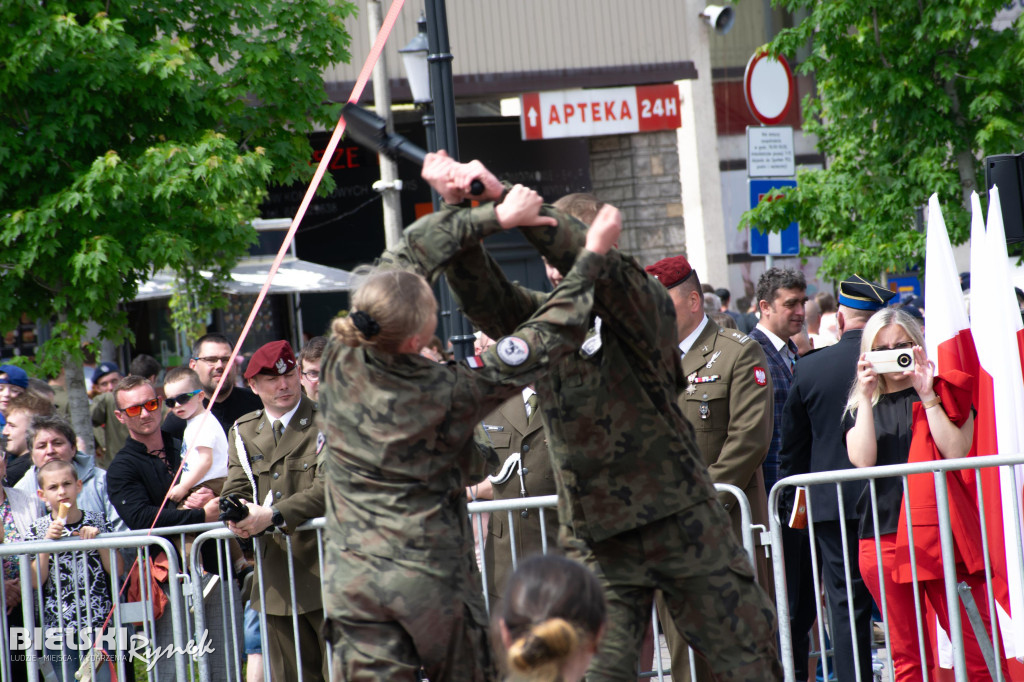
{"points": [[623, 455], [400, 615], [398, 537], [708, 585]]}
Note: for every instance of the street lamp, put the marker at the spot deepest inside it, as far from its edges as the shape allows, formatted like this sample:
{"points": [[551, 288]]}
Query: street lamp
{"points": [[427, 57], [414, 59]]}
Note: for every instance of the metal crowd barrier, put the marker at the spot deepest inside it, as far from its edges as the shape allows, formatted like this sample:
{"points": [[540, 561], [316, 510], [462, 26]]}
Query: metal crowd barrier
{"points": [[990, 644], [28, 645], [753, 537], [206, 609]]}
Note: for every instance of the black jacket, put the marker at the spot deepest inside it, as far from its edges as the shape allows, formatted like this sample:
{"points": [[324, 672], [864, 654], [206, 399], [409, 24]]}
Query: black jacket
{"points": [[138, 481], [813, 438]]}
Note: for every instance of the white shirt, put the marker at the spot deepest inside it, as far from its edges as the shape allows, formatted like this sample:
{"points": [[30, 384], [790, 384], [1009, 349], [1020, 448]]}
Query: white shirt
{"points": [[527, 392], [780, 345], [686, 344], [286, 417], [210, 436]]}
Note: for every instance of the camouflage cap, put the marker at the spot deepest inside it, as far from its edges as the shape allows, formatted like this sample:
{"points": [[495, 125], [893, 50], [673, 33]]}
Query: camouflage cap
{"points": [[670, 271], [274, 358]]}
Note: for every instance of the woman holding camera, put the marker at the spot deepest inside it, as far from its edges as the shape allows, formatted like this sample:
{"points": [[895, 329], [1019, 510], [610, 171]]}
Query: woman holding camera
{"points": [[899, 412]]}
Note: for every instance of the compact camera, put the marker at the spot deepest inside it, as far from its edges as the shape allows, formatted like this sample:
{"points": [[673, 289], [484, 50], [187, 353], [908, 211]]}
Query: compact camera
{"points": [[889, 361]]}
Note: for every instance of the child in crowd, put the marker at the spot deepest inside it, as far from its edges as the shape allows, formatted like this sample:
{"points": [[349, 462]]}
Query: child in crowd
{"points": [[76, 586], [204, 448], [204, 442], [552, 620]]}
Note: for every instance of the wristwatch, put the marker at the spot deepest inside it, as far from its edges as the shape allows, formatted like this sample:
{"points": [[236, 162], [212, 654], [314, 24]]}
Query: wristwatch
{"points": [[278, 518]]}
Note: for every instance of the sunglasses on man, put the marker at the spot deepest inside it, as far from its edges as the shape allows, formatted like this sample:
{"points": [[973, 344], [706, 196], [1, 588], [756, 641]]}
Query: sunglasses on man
{"points": [[136, 410], [182, 399]]}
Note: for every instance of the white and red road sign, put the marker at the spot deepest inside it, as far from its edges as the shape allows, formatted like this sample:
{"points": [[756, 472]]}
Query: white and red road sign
{"points": [[602, 111], [769, 88]]}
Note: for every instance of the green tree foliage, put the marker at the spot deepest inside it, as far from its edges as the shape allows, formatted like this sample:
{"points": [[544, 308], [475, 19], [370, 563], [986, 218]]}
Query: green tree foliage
{"points": [[910, 96], [138, 135]]}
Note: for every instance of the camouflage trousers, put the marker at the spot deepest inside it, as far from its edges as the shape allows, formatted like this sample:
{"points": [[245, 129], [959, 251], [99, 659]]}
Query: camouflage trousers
{"points": [[389, 617], [709, 590]]}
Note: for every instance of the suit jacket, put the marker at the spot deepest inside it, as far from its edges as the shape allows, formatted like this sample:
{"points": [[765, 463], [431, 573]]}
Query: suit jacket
{"points": [[813, 438], [291, 473], [732, 417], [528, 440], [782, 378]]}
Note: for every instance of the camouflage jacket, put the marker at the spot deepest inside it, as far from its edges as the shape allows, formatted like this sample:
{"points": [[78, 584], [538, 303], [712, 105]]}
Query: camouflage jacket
{"points": [[398, 425], [623, 454]]}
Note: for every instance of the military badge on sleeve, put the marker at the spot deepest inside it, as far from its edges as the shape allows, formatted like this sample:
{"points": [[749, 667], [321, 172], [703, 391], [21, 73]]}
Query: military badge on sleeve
{"points": [[760, 376], [321, 441], [512, 350]]}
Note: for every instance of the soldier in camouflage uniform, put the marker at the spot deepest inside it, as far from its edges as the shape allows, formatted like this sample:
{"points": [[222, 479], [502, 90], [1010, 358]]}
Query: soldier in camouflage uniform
{"points": [[636, 503], [402, 584]]}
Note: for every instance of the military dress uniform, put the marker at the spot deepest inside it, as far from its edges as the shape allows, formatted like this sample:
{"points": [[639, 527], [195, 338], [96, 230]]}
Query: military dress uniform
{"points": [[288, 476], [514, 435], [636, 504], [728, 401], [403, 587]]}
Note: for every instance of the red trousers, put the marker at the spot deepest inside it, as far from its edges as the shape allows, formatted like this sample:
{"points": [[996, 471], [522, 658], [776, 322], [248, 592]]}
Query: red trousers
{"points": [[899, 601]]}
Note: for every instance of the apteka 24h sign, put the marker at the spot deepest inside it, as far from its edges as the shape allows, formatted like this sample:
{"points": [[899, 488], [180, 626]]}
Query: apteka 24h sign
{"points": [[602, 111]]}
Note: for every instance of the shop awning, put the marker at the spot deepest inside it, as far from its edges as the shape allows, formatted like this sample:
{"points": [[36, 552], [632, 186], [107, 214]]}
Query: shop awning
{"points": [[293, 277]]}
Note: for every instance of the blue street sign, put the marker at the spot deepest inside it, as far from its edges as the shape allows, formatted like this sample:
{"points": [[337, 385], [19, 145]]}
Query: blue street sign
{"points": [[785, 243]]}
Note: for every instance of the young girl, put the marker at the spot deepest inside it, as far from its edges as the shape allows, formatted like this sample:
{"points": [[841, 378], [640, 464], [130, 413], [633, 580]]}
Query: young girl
{"points": [[552, 620], [403, 590]]}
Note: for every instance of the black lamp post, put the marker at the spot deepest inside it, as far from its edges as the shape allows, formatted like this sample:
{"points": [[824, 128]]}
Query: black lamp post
{"points": [[438, 102]]}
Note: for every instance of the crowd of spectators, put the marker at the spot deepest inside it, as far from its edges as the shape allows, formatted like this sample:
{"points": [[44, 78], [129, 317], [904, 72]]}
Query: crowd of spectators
{"points": [[764, 396]]}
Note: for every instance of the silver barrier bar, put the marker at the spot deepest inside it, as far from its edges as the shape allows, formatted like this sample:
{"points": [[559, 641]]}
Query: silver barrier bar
{"points": [[25, 550], [937, 469]]}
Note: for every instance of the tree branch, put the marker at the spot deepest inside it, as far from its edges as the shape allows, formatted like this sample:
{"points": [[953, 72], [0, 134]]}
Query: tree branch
{"points": [[878, 38]]}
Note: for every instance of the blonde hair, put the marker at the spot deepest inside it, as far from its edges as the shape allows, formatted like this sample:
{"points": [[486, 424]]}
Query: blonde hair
{"points": [[883, 318], [540, 652], [553, 607], [398, 302]]}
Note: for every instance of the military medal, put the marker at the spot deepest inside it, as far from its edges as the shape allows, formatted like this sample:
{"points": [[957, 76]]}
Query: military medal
{"points": [[705, 380], [691, 389], [705, 411]]}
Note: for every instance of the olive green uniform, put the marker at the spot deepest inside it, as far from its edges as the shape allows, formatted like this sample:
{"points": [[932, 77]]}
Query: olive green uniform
{"points": [[290, 474], [635, 501], [402, 584], [513, 434], [729, 402]]}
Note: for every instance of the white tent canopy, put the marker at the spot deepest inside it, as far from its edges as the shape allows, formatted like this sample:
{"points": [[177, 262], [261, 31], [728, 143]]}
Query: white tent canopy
{"points": [[293, 277]]}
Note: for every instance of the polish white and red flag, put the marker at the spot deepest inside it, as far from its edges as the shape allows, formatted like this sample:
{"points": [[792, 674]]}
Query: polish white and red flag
{"points": [[999, 427]]}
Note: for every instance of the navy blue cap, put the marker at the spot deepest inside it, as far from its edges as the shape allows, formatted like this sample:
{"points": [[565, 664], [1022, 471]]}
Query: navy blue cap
{"points": [[103, 369], [16, 376], [860, 294]]}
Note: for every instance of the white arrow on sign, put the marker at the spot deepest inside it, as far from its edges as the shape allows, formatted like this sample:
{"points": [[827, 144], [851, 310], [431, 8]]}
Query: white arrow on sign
{"points": [[533, 117]]}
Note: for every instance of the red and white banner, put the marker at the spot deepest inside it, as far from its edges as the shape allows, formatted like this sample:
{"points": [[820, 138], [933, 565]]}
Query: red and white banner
{"points": [[602, 111], [998, 335]]}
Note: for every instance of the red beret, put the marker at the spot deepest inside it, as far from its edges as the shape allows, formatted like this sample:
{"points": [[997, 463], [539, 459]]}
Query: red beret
{"points": [[670, 271], [274, 358]]}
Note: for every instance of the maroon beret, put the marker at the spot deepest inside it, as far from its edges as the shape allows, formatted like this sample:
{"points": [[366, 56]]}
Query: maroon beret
{"points": [[274, 358], [670, 271]]}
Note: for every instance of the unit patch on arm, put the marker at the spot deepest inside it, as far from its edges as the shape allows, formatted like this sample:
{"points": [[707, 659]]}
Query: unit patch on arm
{"points": [[512, 350]]}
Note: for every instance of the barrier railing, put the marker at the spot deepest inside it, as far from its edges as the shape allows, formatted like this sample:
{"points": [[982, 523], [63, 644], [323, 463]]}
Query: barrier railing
{"points": [[207, 606], [954, 595]]}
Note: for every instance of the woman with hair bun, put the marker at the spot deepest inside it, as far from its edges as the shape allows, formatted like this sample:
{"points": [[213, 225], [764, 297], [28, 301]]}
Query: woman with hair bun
{"points": [[402, 587], [552, 621]]}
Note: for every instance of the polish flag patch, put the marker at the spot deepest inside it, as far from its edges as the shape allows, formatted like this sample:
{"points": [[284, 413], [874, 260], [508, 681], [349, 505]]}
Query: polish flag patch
{"points": [[475, 361], [760, 376]]}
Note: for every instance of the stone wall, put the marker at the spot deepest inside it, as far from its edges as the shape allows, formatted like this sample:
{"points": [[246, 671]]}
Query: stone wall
{"points": [[640, 175]]}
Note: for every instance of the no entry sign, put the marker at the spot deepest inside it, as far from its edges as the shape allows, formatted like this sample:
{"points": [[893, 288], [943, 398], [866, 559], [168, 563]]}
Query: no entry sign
{"points": [[602, 111], [769, 88]]}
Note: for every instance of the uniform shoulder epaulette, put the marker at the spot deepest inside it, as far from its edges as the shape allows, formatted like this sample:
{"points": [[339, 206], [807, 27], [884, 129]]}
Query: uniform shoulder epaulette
{"points": [[733, 335], [250, 416]]}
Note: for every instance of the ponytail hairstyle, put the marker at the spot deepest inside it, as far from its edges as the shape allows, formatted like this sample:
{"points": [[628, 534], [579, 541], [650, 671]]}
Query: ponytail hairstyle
{"points": [[387, 308], [552, 608]]}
